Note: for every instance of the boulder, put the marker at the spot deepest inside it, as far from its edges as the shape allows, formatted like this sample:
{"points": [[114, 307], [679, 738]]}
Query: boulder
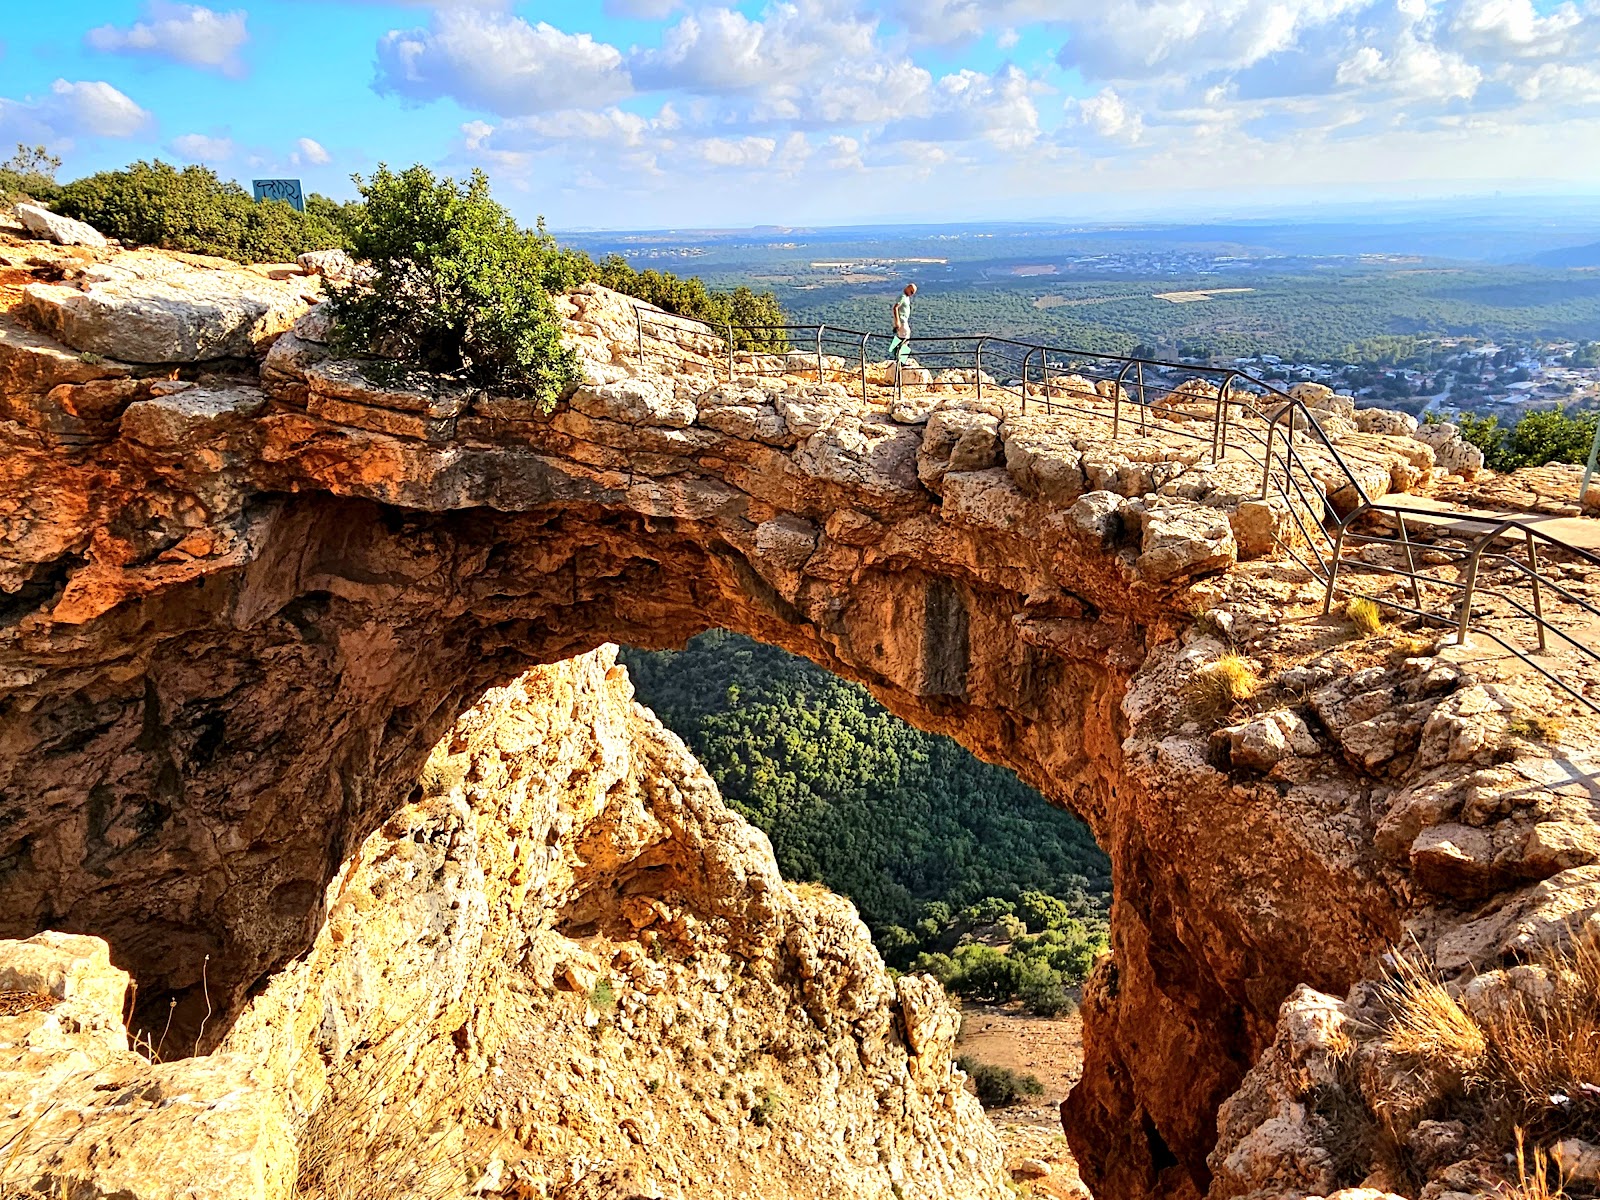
{"points": [[1453, 454], [184, 314], [636, 402], [1096, 518], [1382, 420], [336, 265], [1184, 539], [63, 230]]}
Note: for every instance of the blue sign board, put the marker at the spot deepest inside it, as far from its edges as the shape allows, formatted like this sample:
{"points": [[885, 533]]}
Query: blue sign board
{"points": [[280, 189]]}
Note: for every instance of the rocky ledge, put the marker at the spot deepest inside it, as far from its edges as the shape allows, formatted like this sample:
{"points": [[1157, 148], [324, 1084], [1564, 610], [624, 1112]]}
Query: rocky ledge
{"points": [[244, 602]]}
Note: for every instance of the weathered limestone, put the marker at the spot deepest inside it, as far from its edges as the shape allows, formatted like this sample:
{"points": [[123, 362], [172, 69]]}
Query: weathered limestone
{"points": [[235, 628], [63, 231], [147, 311], [458, 974]]}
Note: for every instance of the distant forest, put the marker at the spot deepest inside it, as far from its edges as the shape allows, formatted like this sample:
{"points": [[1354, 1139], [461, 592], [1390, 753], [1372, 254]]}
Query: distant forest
{"points": [[899, 820], [1325, 315]]}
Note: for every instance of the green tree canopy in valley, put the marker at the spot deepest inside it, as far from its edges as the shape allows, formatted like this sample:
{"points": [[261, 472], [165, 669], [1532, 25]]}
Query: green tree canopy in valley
{"points": [[907, 824]]}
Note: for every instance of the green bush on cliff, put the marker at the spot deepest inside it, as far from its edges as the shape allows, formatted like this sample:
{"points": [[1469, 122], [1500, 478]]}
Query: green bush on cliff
{"points": [[753, 316], [1538, 438], [155, 204], [458, 288]]}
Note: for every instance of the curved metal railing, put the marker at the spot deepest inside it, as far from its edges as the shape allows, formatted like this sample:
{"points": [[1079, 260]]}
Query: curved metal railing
{"points": [[1225, 413]]}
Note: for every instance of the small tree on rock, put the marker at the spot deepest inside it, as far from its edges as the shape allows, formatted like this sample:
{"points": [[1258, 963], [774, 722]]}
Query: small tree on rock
{"points": [[457, 287]]}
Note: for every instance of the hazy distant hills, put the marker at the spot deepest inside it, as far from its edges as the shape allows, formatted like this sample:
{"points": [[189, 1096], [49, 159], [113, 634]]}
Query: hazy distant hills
{"points": [[1569, 256]]}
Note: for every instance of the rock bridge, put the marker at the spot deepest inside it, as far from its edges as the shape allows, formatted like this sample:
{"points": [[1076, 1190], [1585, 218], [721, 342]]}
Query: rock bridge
{"points": [[238, 606]]}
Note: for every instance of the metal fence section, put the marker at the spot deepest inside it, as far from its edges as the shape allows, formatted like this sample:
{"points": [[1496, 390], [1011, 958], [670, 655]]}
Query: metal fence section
{"points": [[1225, 414]]}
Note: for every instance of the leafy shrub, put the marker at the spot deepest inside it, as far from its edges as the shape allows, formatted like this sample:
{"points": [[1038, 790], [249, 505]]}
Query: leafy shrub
{"points": [[1538, 438], [29, 174], [457, 288], [155, 204], [748, 312], [998, 1087], [1042, 911], [1043, 991]]}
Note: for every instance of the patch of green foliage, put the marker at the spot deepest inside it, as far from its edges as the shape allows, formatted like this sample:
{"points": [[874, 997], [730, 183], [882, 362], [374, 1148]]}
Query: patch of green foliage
{"points": [[29, 174], [752, 316], [155, 204], [603, 996], [1037, 969], [998, 1087], [765, 1107], [934, 847], [1536, 439], [855, 798], [458, 288]]}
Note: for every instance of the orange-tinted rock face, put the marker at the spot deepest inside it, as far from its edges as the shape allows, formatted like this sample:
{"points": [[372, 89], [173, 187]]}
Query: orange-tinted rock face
{"points": [[236, 618]]}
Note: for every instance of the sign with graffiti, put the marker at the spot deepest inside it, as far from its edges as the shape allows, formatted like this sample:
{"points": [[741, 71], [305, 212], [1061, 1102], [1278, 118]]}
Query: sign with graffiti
{"points": [[280, 189]]}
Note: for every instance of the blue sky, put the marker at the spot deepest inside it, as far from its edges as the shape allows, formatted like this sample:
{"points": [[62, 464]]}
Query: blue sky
{"points": [[650, 113]]}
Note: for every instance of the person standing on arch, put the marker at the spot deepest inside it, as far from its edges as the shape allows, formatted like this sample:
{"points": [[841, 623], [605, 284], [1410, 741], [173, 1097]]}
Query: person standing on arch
{"points": [[902, 328]]}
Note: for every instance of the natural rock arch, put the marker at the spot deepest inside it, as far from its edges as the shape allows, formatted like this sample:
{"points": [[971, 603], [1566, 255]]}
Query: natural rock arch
{"points": [[238, 620]]}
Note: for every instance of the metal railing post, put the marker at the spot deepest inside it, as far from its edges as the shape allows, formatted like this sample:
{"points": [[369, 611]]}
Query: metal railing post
{"points": [[1472, 580], [1411, 564], [1333, 569], [1049, 408], [730, 351], [1222, 418], [638, 321], [863, 368], [1143, 403], [1266, 458], [1538, 603], [977, 366], [820, 328]]}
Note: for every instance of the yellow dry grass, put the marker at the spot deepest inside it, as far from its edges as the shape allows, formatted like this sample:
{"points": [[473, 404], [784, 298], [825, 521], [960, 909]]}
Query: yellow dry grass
{"points": [[371, 1138], [1528, 1063], [1428, 1023], [1217, 687], [1538, 727], [1549, 1053], [1533, 1176], [1364, 615]]}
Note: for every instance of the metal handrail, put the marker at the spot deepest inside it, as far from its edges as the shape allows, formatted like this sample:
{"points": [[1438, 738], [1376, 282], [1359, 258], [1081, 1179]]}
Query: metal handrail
{"points": [[1286, 475]]}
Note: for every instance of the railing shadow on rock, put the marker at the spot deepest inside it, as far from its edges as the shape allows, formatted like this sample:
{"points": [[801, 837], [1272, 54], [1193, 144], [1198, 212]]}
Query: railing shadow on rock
{"points": [[1225, 414]]}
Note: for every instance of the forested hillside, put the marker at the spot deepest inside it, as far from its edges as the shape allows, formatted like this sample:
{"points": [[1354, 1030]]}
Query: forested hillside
{"points": [[853, 797]]}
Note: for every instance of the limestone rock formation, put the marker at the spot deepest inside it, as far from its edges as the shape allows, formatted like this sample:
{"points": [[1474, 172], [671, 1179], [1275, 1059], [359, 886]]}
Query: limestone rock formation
{"points": [[563, 968], [62, 230], [243, 603]]}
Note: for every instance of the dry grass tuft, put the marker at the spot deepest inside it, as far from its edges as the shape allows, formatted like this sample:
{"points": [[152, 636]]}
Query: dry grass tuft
{"points": [[376, 1135], [1427, 1023], [1547, 1053], [1538, 728], [1365, 615], [1533, 1184], [1217, 687]]}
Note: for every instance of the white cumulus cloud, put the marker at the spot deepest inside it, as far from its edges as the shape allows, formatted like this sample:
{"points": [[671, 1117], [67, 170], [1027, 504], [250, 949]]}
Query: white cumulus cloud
{"points": [[1107, 115], [500, 63], [71, 111], [203, 148], [310, 151], [722, 50], [186, 33]]}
